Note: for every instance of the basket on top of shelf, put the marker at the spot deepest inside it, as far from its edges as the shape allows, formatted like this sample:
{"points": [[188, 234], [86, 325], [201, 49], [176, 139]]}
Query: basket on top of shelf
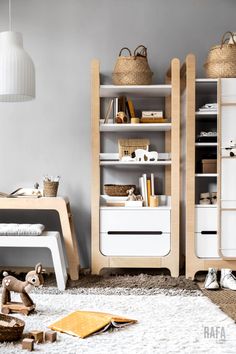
{"points": [[132, 69], [221, 59], [128, 146], [118, 190]]}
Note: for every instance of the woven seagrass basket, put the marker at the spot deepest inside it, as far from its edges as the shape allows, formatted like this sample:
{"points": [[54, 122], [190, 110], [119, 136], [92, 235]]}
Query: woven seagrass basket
{"points": [[10, 334], [50, 188], [118, 190], [132, 69], [221, 59]]}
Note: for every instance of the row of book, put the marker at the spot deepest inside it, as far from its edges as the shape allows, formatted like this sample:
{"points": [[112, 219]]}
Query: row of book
{"points": [[119, 104], [147, 188], [122, 104]]}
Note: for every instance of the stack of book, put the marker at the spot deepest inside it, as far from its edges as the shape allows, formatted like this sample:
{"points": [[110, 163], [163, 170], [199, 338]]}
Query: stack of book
{"points": [[152, 117]]}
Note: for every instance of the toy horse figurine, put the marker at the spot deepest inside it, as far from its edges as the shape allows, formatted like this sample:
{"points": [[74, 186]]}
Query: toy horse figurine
{"points": [[33, 279]]}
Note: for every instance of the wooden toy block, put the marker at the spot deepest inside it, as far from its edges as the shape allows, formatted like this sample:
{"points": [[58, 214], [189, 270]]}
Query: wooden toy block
{"points": [[28, 344], [50, 336], [36, 335]]}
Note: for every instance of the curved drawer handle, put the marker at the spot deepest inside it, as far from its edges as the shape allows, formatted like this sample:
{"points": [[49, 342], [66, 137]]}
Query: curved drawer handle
{"points": [[134, 232], [208, 232]]}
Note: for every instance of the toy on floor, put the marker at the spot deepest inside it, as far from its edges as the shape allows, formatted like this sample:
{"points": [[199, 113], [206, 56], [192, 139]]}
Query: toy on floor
{"points": [[33, 278], [38, 337]]}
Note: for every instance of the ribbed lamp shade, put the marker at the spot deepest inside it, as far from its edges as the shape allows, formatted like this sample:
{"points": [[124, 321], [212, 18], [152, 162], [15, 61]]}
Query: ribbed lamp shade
{"points": [[17, 73]]}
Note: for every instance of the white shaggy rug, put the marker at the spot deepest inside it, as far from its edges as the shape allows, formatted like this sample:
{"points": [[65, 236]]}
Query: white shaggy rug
{"points": [[166, 324]]}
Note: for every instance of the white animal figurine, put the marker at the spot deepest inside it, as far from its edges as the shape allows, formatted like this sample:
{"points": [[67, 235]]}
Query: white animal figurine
{"points": [[231, 148], [145, 155]]}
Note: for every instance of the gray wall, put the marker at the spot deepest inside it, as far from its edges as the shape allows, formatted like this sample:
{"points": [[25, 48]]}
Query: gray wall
{"points": [[52, 133]]}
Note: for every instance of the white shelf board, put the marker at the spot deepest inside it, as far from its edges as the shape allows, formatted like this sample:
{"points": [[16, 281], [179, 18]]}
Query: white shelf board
{"points": [[205, 205], [135, 163], [205, 144], [135, 127], [206, 175], [136, 208], [212, 115], [135, 90]]}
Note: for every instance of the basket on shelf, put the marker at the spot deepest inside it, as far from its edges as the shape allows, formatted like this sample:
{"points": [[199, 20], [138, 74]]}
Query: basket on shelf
{"points": [[132, 69], [221, 59], [128, 146], [11, 333], [118, 190]]}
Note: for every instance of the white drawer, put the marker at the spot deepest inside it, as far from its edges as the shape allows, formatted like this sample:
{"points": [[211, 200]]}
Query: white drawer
{"points": [[206, 219], [228, 233], [138, 245], [206, 245], [135, 220], [228, 90]]}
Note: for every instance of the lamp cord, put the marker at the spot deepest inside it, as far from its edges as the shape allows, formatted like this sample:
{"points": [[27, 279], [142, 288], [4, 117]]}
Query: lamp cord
{"points": [[10, 24]]}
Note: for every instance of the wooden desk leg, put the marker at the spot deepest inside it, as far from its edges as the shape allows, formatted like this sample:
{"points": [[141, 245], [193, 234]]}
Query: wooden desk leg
{"points": [[71, 250], [72, 227]]}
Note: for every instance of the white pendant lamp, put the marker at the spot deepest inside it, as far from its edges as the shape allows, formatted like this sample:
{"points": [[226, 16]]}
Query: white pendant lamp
{"points": [[17, 73]]}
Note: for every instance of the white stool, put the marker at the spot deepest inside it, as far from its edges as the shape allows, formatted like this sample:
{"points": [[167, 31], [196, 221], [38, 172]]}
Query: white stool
{"points": [[49, 240]]}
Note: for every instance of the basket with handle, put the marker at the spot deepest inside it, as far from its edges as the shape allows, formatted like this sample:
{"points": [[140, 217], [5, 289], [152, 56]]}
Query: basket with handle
{"points": [[132, 69], [221, 59]]}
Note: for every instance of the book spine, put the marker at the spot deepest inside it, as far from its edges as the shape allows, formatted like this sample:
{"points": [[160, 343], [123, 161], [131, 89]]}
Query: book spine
{"points": [[152, 184], [145, 189], [108, 113], [131, 109], [121, 104], [141, 187], [115, 108], [148, 191]]}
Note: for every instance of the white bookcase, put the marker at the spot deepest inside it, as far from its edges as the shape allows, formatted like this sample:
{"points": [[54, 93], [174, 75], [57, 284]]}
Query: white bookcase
{"points": [[210, 240], [141, 237]]}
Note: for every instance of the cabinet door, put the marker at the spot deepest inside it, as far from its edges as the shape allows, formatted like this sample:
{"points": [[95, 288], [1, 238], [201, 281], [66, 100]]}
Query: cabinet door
{"points": [[228, 182], [228, 233], [228, 90]]}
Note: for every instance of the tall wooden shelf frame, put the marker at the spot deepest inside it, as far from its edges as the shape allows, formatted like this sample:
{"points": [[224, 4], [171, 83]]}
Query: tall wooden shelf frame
{"points": [[171, 92], [188, 94]]}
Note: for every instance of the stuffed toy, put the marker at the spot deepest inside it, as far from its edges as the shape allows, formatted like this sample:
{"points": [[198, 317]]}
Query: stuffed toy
{"points": [[33, 278]]}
